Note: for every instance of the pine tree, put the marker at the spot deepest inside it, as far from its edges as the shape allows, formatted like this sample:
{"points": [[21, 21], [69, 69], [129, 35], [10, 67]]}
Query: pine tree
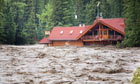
{"points": [[68, 13], [28, 33], [63, 13], [20, 18], [132, 21], [116, 7], [22, 21], [9, 26], [80, 10], [45, 17], [105, 9], [91, 10], [1, 21], [45, 21]]}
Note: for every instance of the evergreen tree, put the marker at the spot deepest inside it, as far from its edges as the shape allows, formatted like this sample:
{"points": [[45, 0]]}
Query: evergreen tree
{"points": [[116, 7], [132, 21], [1, 21], [63, 13], [20, 19], [105, 9], [91, 11], [45, 21], [28, 33], [45, 17], [80, 10], [9, 25]]}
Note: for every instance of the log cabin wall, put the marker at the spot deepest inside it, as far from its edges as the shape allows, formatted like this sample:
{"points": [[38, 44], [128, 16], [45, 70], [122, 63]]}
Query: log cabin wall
{"points": [[63, 43]]}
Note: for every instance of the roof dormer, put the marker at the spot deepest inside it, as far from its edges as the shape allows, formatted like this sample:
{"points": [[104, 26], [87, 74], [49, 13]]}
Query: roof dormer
{"points": [[61, 32], [71, 32], [81, 31]]}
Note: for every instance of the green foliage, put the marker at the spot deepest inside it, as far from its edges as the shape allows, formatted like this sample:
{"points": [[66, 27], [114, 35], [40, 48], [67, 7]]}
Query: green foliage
{"points": [[115, 8], [9, 28], [63, 13], [79, 11], [136, 78], [18, 20], [1, 22], [132, 30], [24, 21], [108, 9], [45, 17], [91, 12], [29, 31]]}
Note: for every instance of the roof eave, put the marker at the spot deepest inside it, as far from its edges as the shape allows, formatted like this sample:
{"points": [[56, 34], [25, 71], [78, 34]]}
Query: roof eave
{"points": [[86, 30], [112, 28], [62, 39], [96, 22]]}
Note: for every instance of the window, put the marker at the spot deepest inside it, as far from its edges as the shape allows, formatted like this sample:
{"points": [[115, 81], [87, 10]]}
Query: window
{"points": [[71, 31], [61, 32], [105, 32]]}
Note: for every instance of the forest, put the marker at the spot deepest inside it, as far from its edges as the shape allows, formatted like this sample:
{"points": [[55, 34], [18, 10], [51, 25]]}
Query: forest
{"points": [[24, 21]]}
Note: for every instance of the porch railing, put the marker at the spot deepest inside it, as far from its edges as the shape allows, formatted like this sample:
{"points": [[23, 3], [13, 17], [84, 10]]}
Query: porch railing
{"points": [[110, 37]]}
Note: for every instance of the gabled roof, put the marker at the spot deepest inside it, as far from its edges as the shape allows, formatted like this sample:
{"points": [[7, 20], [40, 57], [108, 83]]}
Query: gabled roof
{"points": [[66, 33], [74, 33], [44, 40], [116, 24]]}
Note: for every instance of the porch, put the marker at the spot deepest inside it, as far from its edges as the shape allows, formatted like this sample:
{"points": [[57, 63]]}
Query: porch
{"points": [[102, 38]]}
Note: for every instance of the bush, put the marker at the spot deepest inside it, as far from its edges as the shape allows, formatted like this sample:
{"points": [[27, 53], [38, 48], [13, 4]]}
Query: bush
{"points": [[136, 78]]}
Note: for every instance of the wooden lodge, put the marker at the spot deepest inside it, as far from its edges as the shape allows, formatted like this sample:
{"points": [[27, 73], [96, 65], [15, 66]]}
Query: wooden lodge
{"points": [[102, 31]]}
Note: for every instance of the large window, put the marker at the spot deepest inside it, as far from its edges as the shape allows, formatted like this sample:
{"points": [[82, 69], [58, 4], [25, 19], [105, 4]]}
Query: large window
{"points": [[105, 32]]}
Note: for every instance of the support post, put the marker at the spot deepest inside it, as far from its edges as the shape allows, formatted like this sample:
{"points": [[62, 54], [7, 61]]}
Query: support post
{"points": [[99, 31], [114, 35], [92, 34]]}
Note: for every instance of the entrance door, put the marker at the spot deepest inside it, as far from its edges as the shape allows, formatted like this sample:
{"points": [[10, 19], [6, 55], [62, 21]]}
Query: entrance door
{"points": [[105, 34]]}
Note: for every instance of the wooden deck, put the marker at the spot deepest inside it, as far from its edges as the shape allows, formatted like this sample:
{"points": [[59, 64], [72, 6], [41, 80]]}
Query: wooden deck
{"points": [[97, 38]]}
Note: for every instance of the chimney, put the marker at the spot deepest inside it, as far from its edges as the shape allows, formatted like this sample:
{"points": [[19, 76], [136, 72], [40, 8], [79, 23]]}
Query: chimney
{"points": [[80, 25], [84, 25]]}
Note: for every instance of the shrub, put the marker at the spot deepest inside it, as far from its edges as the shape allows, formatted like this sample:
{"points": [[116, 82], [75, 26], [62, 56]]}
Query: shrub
{"points": [[136, 78]]}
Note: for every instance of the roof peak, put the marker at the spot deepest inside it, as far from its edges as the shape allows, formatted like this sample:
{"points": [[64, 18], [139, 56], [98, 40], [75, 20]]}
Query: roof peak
{"points": [[111, 18], [71, 26]]}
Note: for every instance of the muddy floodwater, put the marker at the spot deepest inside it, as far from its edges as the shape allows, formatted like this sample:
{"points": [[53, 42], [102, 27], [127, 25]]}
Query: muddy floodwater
{"points": [[39, 64]]}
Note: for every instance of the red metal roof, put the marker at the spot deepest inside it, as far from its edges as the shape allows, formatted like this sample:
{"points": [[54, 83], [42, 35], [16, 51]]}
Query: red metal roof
{"points": [[44, 40], [73, 33], [66, 33], [116, 23]]}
